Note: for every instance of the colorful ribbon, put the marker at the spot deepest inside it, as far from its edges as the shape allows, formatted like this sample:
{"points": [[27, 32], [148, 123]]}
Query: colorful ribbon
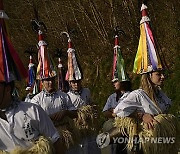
{"points": [[147, 53]]}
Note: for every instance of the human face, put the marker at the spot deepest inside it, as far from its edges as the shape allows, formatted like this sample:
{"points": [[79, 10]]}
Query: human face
{"points": [[75, 85], [157, 78], [117, 85], [49, 84]]}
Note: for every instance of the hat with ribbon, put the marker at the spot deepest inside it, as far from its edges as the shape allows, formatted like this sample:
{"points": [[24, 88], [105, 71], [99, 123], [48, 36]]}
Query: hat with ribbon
{"points": [[45, 69], [31, 70], [118, 71], [62, 83], [147, 58], [11, 66], [74, 71]]}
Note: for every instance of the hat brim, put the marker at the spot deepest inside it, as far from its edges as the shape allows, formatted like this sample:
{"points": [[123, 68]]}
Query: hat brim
{"points": [[114, 80]]}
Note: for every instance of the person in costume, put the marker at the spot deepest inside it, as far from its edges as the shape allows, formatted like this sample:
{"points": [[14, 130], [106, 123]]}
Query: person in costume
{"points": [[122, 89], [55, 103], [120, 81], [22, 124], [32, 86], [143, 115], [149, 98], [79, 96], [146, 105], [81, 99], [24, 127]]}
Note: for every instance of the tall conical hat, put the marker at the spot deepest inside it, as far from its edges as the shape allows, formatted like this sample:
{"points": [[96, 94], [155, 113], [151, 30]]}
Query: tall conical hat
{"points": [[31, 73], [62, 84], [118, 73], [45, 67], [2, 12], [147, 58], [11, 67], [74, 71]]}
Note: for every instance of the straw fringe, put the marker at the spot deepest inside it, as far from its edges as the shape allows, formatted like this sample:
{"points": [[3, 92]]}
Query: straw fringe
{"points": [[42, 146], [73, 130], [86, 120], [167, 127], [68, 131]]}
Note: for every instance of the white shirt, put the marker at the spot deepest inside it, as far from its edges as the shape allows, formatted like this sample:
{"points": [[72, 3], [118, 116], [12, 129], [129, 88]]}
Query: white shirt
{"points": [[138, 100], [28, 97], [78, 100], [111, 101], [25, 123], [54, 102]]}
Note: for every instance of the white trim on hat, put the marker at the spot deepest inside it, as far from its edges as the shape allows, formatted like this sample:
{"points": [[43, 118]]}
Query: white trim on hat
{"points": [[41, 43], [28, 88], [143, 7], [144, 19], [51, 75], [114, 80], [150, 69], [3, 14]]}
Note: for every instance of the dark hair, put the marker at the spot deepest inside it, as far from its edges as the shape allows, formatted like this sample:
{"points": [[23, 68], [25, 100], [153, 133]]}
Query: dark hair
{"points": [[126, 85]]}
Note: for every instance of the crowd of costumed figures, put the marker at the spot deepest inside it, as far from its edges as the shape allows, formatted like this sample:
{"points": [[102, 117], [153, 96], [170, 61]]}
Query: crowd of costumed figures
{"points": [[58, 115]]}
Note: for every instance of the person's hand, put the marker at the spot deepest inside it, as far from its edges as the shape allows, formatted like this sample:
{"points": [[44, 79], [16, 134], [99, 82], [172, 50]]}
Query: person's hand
{"points": [[114, 115], [149, 120], [58, 115]]}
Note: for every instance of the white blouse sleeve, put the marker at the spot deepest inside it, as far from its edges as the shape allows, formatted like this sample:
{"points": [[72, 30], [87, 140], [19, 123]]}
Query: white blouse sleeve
{"points": [[128, 105], [35, 99], [108, 104]]}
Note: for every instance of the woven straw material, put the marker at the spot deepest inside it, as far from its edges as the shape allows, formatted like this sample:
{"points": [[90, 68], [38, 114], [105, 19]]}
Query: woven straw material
{"points": [[41, 146], [167, 126]]}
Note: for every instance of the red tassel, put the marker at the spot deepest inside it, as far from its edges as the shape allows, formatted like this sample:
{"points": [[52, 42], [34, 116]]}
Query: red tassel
{"points": [[16, 59]]}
